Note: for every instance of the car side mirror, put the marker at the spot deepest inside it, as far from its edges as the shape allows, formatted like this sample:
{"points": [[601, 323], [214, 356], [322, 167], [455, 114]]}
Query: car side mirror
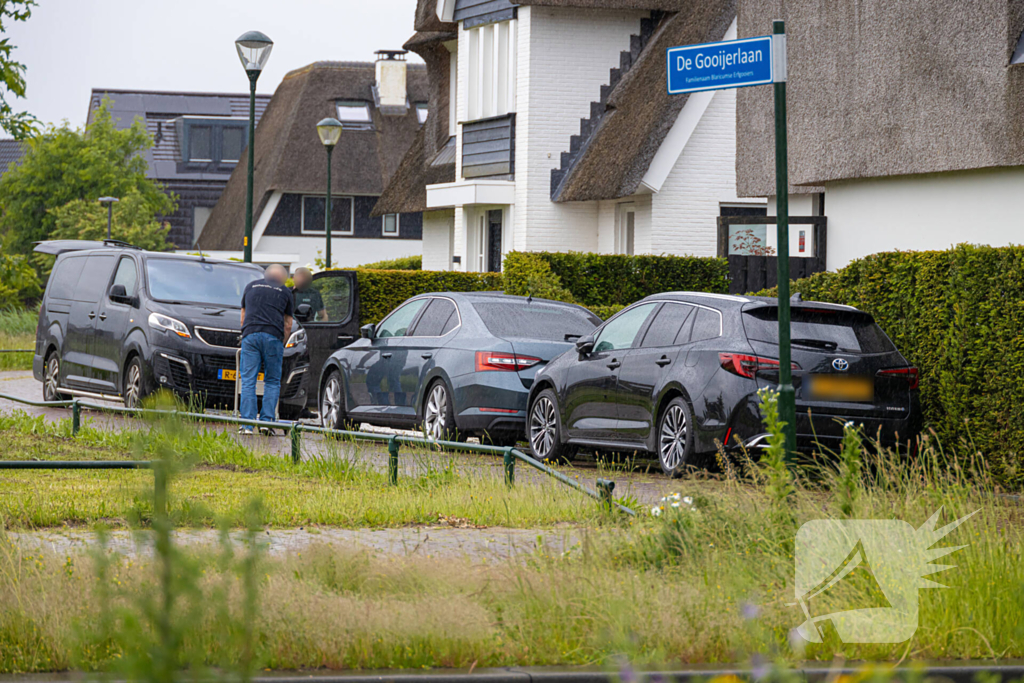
{"points": [[367, 331], [118, 293], [304, 313], [585, 345]]}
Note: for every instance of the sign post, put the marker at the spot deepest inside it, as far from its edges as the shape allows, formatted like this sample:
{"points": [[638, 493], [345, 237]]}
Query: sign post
{"points": [[739, 64]]}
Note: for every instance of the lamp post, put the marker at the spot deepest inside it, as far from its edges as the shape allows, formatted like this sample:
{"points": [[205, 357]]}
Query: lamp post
{"points": [[254, 51], [329, 130], [109, 203]]}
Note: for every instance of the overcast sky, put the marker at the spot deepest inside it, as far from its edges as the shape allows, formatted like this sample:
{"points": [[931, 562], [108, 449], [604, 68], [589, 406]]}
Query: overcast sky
{"points": [[73, 46]]}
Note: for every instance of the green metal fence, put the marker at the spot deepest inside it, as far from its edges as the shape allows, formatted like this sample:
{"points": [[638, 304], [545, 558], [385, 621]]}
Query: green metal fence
{"points": [[510, 456]]}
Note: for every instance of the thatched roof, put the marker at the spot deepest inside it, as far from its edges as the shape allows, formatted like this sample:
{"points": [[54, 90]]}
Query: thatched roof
{"points": [[290, 157], [640, 112], [666, 5], [426, 18], [900, 88]]}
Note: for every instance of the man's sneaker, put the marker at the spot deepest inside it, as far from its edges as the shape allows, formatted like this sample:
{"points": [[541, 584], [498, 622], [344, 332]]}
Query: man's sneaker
{"points": [[245, 431], [267, 431]]}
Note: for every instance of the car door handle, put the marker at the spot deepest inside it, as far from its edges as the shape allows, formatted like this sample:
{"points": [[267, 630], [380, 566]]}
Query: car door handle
{"points": [[92, 315], [103, 316], [614, 364], [663, 361], [385, 355], [345, 338], [428, 355]]}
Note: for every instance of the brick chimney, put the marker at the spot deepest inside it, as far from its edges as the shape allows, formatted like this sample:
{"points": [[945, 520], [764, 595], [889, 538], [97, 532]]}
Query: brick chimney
{"points": [[390, 89]]}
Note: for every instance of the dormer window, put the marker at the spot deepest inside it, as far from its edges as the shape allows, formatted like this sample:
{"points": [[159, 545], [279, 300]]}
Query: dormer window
{"points": [[422, 112], [355, 114], [492, 70], [211, 141]]}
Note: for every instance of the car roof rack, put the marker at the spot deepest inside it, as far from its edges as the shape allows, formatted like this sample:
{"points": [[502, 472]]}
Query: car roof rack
{"points": [[119, 243]]}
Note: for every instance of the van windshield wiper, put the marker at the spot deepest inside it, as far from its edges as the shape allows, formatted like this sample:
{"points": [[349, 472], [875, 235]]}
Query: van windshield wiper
{"points": [[815, 343]]}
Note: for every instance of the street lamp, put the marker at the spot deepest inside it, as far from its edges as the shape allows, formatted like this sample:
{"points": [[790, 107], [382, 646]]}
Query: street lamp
{"points": [[329, 131], [109, 203], [254, 51]]}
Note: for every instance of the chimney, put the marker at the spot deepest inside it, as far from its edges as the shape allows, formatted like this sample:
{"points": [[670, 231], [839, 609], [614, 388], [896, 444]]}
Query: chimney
{"points": [[390, 90]]}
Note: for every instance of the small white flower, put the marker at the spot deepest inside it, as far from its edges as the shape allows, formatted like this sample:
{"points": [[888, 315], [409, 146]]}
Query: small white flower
{"points": [[688, 500], [675, 505], [656, 511]]}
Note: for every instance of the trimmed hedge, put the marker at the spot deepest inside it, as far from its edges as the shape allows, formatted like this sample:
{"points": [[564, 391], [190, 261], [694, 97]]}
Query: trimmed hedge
{"points": [[381, 291], [601, 280], [959, 316]]}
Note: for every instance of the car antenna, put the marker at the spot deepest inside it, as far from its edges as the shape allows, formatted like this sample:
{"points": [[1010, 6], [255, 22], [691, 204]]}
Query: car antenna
{"points": [[529, 298], [796, 298], [202, 259]]}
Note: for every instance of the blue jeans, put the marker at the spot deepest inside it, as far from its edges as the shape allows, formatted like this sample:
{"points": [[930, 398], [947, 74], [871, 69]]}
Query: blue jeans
{"points": [[266, 350]]}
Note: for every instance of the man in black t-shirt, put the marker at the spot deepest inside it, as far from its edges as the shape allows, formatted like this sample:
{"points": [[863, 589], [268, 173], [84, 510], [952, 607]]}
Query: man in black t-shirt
{"points": [[267, 311], [305, 294]]}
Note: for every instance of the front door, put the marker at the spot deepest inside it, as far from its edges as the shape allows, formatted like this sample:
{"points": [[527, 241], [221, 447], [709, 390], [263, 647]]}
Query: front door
{"points": [[111, 325], [374, 378], [80, 343], [494, 218], [333, 320]]}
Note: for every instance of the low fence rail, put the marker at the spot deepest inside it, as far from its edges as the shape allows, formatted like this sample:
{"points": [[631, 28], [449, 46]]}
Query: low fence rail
{"points": [[603, 494]]}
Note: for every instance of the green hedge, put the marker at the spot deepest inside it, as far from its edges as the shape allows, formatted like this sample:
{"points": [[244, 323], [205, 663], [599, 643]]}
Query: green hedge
{"points": [[380, 291], [400, 263], [959, 316], [601, 280]]}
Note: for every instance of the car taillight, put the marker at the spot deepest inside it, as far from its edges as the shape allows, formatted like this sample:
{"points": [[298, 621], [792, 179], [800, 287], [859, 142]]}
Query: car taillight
{"points": [[909, 374], [747, 366], [489, 361]]}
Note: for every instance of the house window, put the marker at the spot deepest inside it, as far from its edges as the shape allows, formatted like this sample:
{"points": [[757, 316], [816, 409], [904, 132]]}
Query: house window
{"points": [[200, 143], [625, 229], [391, 225], [233, 142], [422, 112], [355, 114], [313, 218], [492, 64], [211, 141]]}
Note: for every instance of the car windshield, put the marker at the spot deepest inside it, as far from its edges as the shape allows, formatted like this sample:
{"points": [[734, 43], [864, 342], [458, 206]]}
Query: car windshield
{"points": [[818, 328], [549, 322], [198, 282]]}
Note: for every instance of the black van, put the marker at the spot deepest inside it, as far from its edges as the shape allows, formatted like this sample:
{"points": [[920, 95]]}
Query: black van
{"points": [[118, 323]]}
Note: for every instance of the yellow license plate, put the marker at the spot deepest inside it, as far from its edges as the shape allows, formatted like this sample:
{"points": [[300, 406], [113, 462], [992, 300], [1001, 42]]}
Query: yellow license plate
{"points": [[840, 388], [229, 375]]}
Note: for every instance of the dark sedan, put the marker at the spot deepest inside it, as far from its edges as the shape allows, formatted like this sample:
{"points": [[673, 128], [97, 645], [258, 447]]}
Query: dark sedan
{"points": [[677, 373], [456, 364]]}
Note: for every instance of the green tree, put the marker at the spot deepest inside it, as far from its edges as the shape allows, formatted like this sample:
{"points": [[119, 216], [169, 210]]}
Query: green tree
{"points": [[63, 165], [133, 221], [19, 125], [18, 281]]}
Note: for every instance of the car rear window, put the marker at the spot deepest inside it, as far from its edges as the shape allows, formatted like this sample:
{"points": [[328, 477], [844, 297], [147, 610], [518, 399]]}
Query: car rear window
{"points": [[829, 330], [535, 320]]}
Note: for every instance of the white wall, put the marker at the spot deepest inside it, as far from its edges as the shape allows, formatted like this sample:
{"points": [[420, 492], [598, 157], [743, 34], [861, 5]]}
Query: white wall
{"points": [[438, 229], [346, 252], [685, 212], [564, 58], [934, 211]]}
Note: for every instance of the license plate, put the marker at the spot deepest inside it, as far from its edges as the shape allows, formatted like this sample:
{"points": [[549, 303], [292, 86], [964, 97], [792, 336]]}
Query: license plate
{"points": [[840, 387], [229, 375]]}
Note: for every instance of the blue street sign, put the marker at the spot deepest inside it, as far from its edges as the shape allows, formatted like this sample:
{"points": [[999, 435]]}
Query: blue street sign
{"points": [[714, 66]]}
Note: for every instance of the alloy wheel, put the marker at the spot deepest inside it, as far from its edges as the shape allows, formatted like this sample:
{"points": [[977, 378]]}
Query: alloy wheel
{"points": [[672, 440], [435, 415], [330, 406], [133, 386], [543, 427], [51, 382]]}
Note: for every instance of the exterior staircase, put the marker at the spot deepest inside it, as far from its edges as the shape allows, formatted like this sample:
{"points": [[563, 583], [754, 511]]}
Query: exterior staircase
{"points": [[577, 143]]}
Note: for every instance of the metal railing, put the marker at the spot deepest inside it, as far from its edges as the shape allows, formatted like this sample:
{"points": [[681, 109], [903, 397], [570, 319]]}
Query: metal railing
{"points": [[510, 456]]}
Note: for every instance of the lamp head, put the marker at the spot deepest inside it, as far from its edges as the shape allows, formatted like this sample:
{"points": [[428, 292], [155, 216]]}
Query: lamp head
{"points": [[329, 131], [254, 50]]}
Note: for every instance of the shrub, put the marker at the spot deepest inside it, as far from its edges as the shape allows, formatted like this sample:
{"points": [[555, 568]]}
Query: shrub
{"points": [[959, 316], [528, 274], [380, 291], [401, 263], [19, 283], [597, 280]]}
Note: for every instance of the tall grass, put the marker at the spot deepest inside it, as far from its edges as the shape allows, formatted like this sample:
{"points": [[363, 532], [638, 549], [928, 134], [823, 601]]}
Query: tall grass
{"points": [[17, 331]]}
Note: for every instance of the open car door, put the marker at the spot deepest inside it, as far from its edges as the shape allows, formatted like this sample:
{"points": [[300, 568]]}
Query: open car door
{"points": [[333, 327]]}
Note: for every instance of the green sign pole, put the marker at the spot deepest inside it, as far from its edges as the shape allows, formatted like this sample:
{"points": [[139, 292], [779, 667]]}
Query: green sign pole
{"points": [[247, 244], [787, 396], [327, 212]]}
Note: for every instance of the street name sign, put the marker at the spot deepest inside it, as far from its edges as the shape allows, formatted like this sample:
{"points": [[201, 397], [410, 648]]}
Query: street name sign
{"points": [[725, 64]]}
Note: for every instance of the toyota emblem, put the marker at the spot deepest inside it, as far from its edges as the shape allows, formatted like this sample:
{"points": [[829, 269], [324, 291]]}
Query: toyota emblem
{"points": [[841, 364]]}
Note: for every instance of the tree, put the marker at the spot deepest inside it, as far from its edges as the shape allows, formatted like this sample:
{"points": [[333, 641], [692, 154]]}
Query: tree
{"points": [[133, 221], [19, 125], [18, 281], [63, 165]]}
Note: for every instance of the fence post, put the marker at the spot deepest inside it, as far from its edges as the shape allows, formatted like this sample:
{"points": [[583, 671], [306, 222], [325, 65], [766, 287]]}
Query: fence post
{"points": [[296, 435], [393, 460], [605, 488], [510, 468], [76, 417]]}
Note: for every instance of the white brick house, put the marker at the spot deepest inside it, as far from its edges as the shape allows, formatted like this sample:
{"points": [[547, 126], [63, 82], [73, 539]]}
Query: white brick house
{"points": [[542, 92]]}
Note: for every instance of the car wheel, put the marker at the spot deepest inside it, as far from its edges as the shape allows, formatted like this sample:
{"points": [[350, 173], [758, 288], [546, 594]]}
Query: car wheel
{"points": [[134, 390], [332, 402], [675, 438], [51, 378], [438, 413], [544, 429]]}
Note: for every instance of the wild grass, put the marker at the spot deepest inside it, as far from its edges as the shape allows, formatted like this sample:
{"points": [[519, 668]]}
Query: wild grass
{"points": [[17, 331], [336, 487]]}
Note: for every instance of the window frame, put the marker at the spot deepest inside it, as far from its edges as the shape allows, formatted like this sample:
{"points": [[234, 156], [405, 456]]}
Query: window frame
{"points": [[384, 225], [216, 125], [339, 105], [419, 318], [117, 268], [688, 321], [323, 231], [412, 322], [422, 107], [643, 324], [491, 73]]}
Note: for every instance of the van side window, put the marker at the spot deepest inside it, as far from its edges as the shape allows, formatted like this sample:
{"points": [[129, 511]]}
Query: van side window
{"points": [[707, 325], [128, 275], [64, 277], [93, 282]]}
